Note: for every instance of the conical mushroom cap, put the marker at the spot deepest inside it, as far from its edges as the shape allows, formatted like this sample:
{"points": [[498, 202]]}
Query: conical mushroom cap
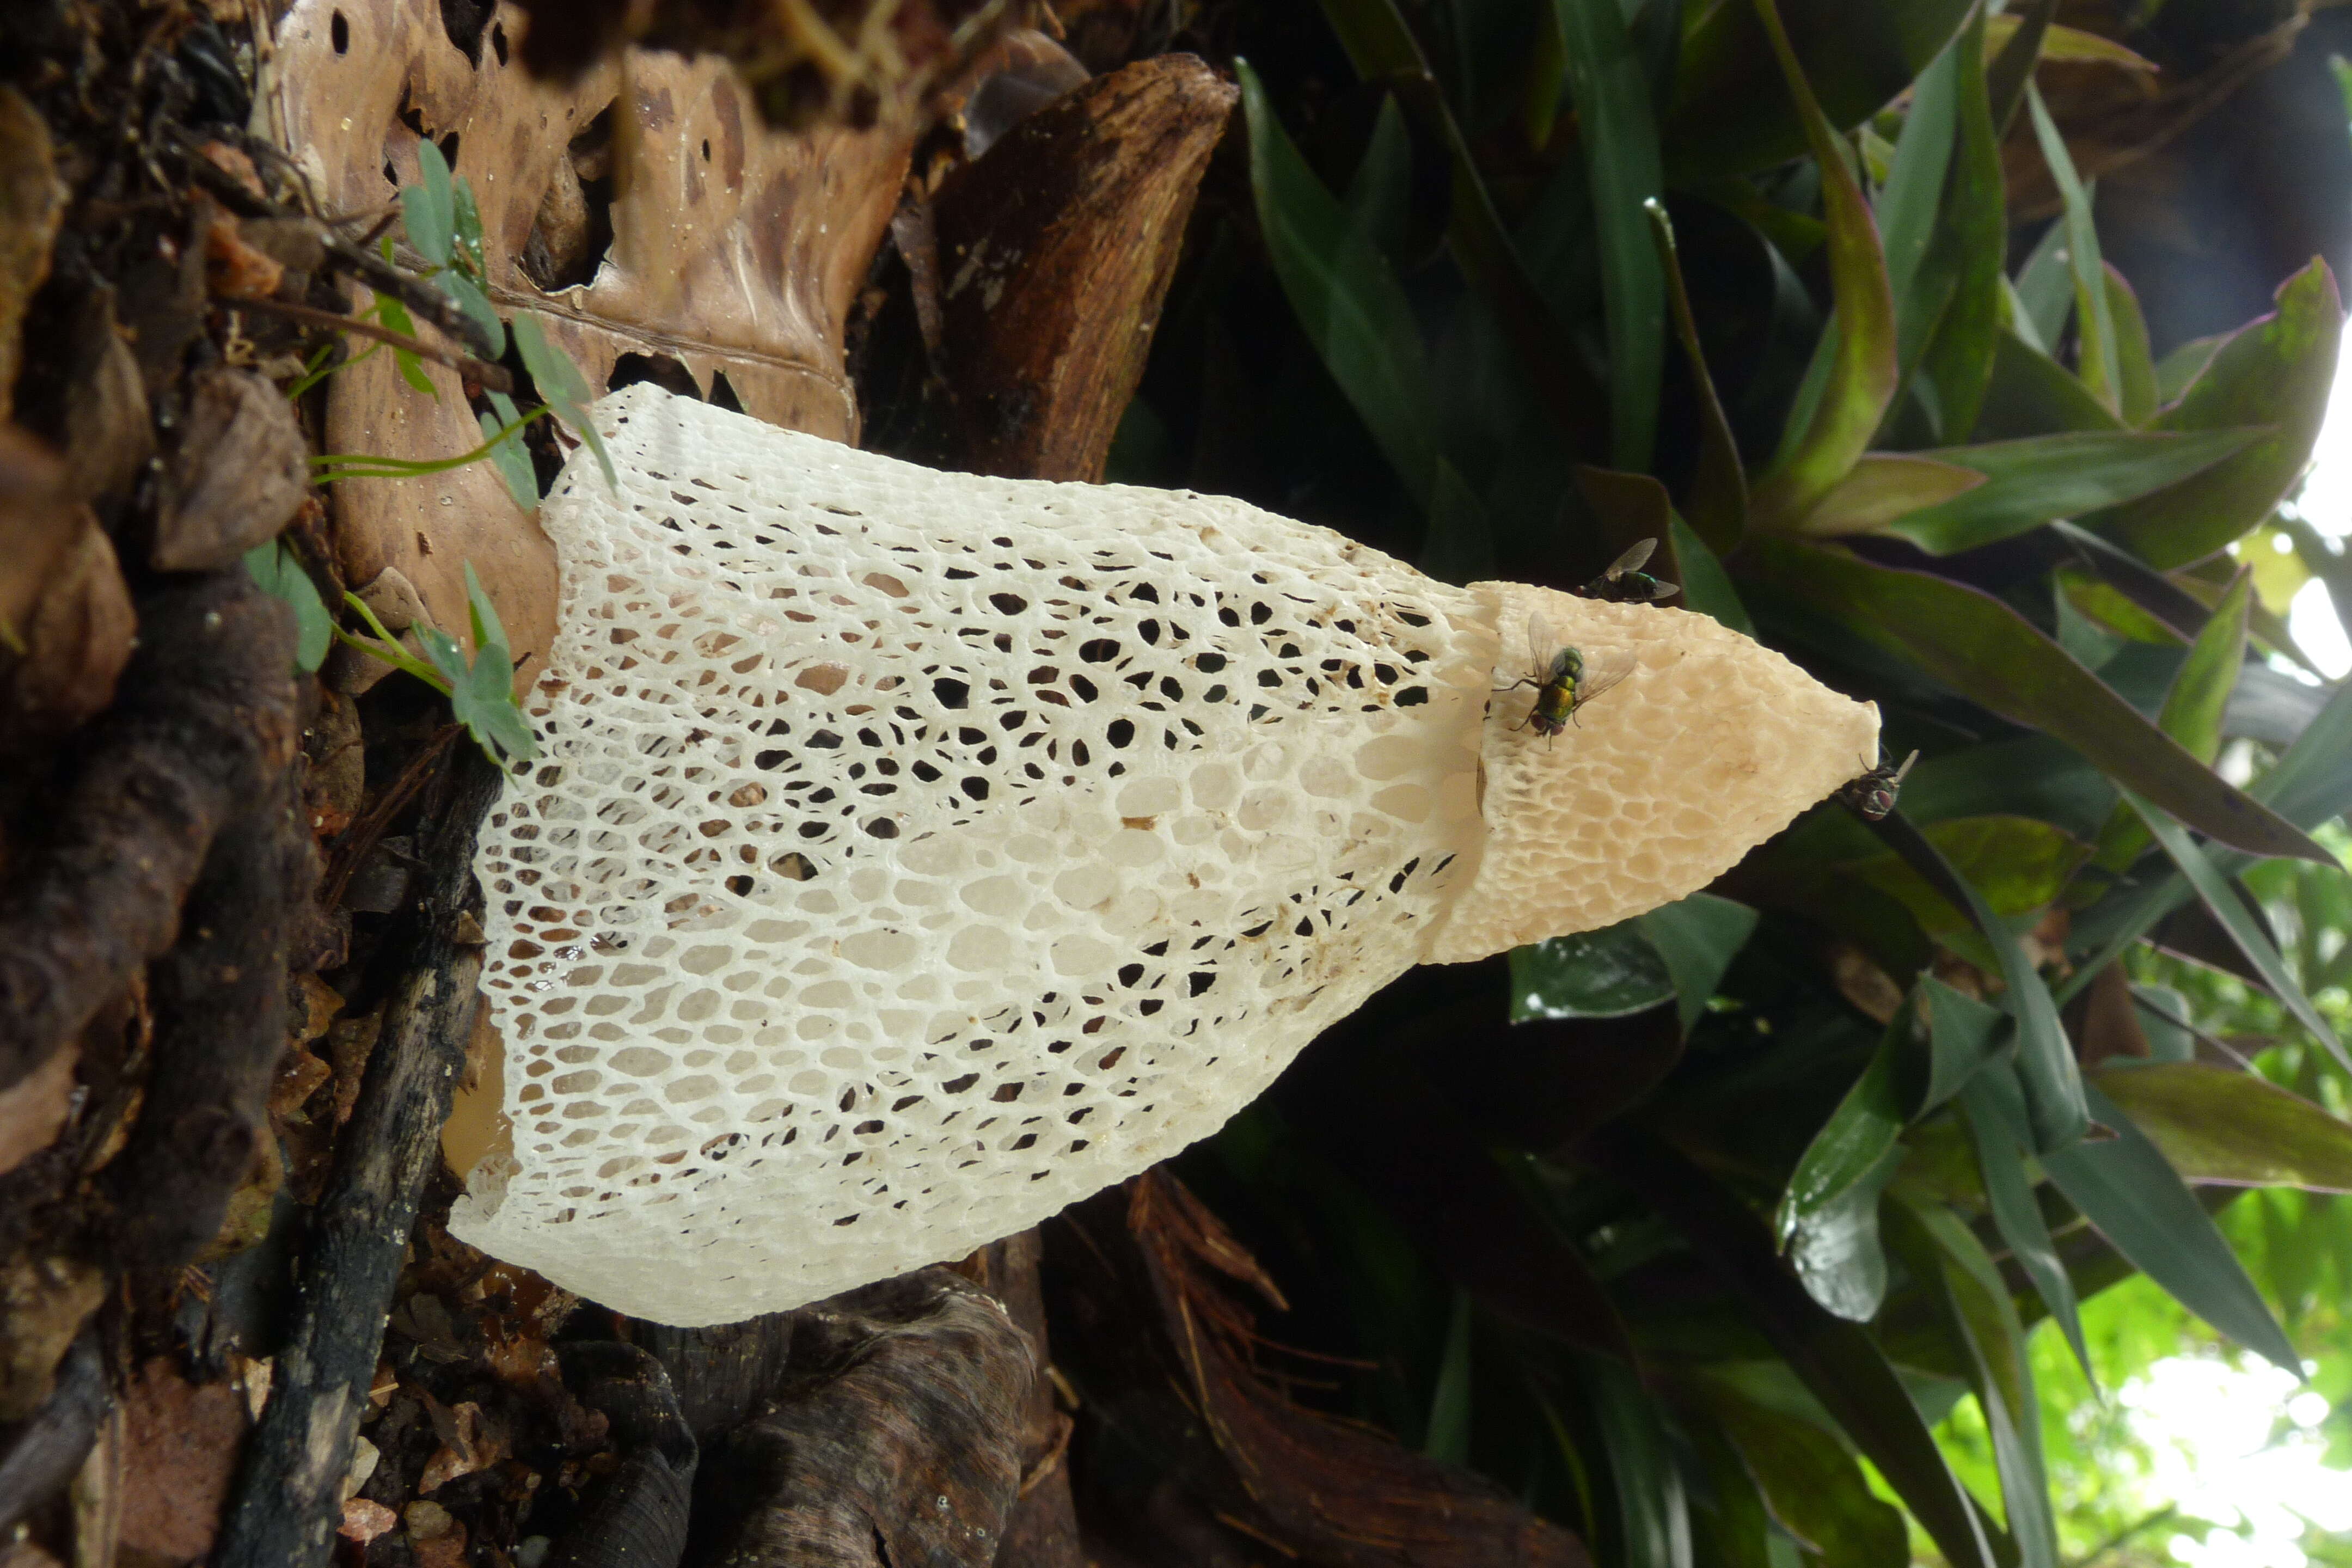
{"points": [[913, 854], [1712, 745]]}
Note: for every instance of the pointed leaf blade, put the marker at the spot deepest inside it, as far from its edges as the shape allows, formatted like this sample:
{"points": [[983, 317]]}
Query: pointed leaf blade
{"points": [[2141, 1206]]}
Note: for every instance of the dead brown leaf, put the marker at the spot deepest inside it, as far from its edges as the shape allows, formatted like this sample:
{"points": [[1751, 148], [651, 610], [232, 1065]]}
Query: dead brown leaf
{"points": [[77, 636], [235, 269], [108, 435], [470, 1441], [298, 1077], [1335, 1491], [242, 468], [182, 1444], [32, 200], [37, 525], [350, 1042], [734, 252], [34, 1108]]}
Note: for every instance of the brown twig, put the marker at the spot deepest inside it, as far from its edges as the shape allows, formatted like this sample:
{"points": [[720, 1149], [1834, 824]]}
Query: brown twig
{"points": [[341, 254], [493, 377], [289, 1487], [360, 838]]}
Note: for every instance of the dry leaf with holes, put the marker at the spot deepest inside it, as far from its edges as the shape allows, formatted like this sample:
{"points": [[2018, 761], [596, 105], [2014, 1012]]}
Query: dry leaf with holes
{"points": [[642, 215]]}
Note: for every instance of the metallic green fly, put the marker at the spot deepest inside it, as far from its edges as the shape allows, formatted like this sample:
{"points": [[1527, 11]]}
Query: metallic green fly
{"points": [[1624, 583], [1568, 680]]}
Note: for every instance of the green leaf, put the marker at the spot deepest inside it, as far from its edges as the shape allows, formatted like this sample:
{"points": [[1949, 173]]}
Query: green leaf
{"points": [[1706, 586], [1653, 1518], [1346, 296], [484, 702], [510, 457], [2099, 363], [2233, 1128], [2030, 393], [1828, 1216], [2147, 1213], [1944, 1253], [2018, 864], [1912, 200], [490, 635], [466, 228], [2313, 783], [2007, 77], [1884, 488], [2191, 714], [2277, 371], [1729, 1524], [1446, 1437], [1960, 1034], [2184, 364], [1970, 243], [2219, 897], [1697, 936], [2027, 483], [1811, 1486], [478, 308], [391, 314], [273, 566], [2045, 1062], [427, 207], [1383, 49], [1861, 374], [1997, 1128], [1837, 1361], [1980, 647], [2134, 356], [2045, 288], [1718, 502], [1459, 546], [1730, 112], [562, 386], [1606, 974], [1619, 135]]}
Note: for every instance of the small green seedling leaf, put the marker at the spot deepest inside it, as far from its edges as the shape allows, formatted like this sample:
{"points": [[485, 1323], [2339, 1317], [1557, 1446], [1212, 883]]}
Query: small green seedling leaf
{"points": [[392, 315], [476, 305], [564, 388], [467, 228], [507, 453], [274, 567], [428, 207]]}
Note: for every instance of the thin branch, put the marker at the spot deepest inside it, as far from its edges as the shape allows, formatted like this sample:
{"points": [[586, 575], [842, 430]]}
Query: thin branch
{"points": [[493, 377], [282, 1511]]}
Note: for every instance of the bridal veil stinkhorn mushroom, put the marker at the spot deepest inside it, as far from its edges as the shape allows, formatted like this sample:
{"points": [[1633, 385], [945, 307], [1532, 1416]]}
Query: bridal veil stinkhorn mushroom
{"points": [[913, 854]]}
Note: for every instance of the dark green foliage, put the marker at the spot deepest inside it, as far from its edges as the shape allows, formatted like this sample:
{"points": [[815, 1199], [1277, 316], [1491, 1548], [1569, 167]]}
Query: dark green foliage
{"points": [[1666, 1226]]}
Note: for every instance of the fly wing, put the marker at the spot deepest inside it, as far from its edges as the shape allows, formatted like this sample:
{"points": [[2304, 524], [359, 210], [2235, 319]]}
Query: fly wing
{"points": [[1896, 782], [1604, 669], [1631, 561], [1543, 647]]}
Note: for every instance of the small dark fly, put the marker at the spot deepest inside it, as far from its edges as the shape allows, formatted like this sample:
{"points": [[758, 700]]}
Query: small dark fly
{"points": [[1625, 584], [1871, 795], [1568, 680]]}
